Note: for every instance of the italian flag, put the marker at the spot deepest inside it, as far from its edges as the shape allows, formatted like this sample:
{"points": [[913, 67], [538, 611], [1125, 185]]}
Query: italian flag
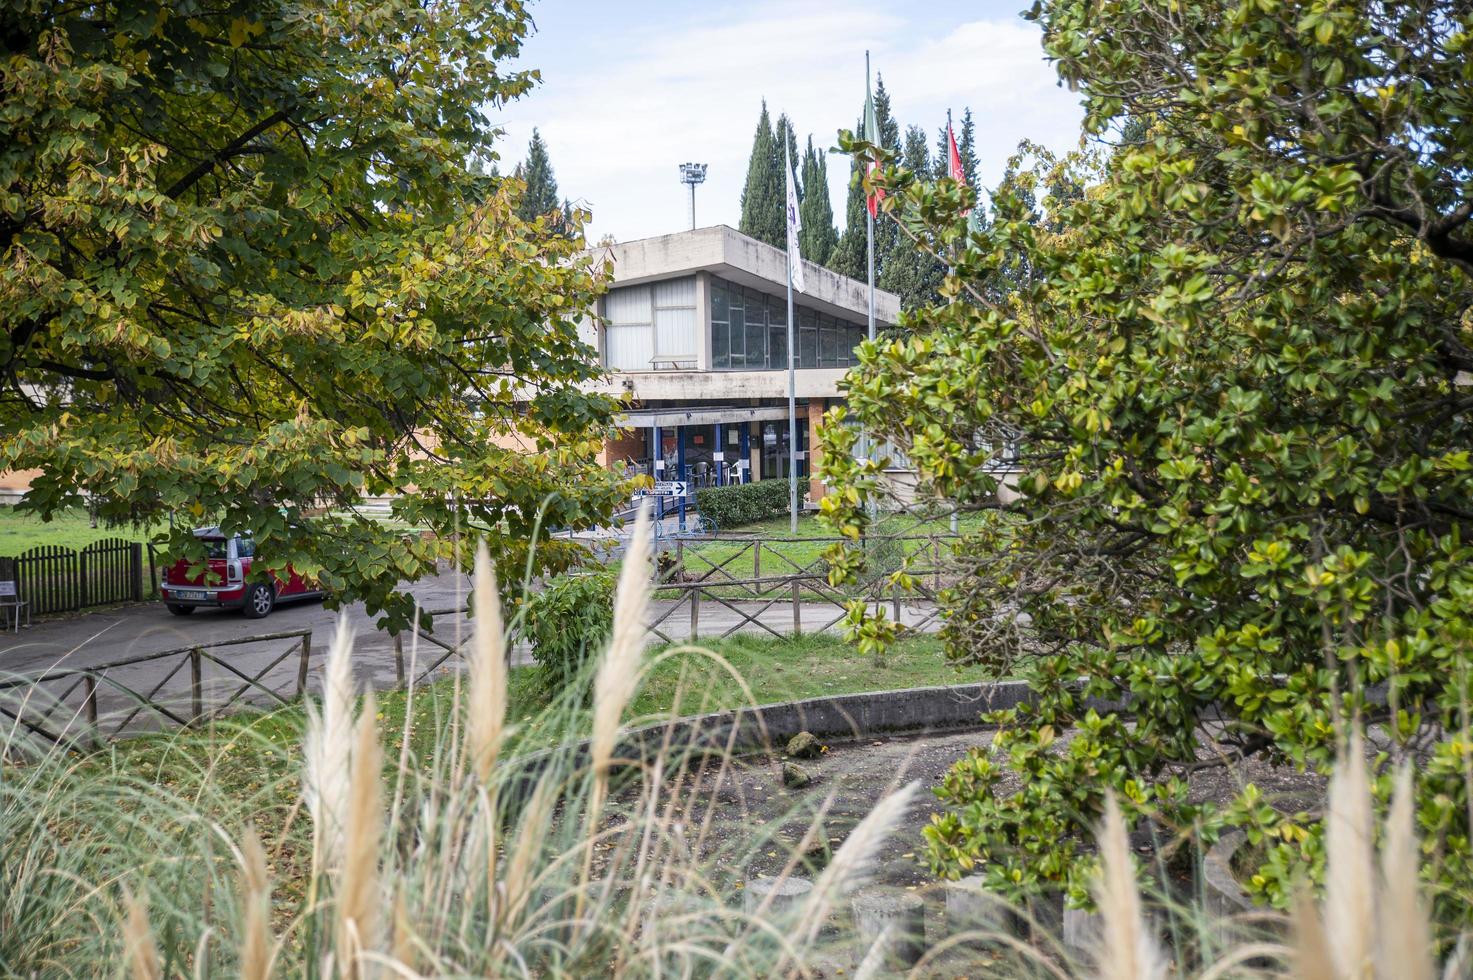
{"points": [[872, 134]]}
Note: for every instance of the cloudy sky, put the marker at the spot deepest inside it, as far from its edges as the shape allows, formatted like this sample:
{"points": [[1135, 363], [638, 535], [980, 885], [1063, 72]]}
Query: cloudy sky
{"points": [[631, 88]]}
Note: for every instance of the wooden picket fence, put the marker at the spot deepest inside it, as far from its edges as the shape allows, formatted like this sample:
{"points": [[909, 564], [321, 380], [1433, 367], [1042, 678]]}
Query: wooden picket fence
{"points": [[54, 579]]}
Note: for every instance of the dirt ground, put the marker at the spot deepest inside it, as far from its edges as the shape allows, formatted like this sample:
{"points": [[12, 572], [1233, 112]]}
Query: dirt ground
{"points": [[748, 823]]}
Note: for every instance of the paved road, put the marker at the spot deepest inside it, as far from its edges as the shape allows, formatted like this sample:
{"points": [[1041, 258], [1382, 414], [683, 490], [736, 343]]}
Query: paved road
{"points": [[130, 631]]}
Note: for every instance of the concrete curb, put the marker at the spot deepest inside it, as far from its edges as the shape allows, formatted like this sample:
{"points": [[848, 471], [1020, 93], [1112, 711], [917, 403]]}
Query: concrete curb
{"points": [[909, 711], [1223, 895]]}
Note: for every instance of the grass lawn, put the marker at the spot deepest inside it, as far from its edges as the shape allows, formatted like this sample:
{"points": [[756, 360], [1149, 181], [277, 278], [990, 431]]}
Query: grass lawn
{"points": [[72, 529], [679, 680], [253, 764]]}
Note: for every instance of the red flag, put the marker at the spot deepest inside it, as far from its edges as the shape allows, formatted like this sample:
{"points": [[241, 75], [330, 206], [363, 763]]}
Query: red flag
{"points": [[954, 158], [959, 174]]}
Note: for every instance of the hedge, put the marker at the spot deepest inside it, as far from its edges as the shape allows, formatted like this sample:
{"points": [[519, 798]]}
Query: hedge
{"points": [[743, 503], [568, 623]]}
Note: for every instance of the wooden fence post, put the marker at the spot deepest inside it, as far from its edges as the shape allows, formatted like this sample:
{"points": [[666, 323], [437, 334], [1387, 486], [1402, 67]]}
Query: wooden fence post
{"points": [[196, 683], [679, 574], [797, 610], [135, 569], [89, 708], [399, 659], [757, 559], [936, 559], [695, 613], [302, 664], [153, 571], [896, 600]]}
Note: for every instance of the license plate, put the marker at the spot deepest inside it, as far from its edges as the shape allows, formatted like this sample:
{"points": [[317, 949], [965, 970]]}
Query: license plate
{"points": [[190, 595]]}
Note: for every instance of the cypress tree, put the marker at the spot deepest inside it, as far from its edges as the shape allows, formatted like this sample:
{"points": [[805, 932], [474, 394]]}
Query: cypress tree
{"points": [[819, 236], [541, 196], [910, 272], [762, 197], [848, 255], [966, 148]]}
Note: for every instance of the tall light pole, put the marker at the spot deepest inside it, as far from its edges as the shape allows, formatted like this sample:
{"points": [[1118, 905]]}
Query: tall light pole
{"points": [[692, 174]]}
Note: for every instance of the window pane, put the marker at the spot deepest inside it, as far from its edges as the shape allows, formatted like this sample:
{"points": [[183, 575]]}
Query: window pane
{"points": [[719, 304], [807, 339], [720, 344], [756, 330], [777, 347], [738, 338], [777, 310]]}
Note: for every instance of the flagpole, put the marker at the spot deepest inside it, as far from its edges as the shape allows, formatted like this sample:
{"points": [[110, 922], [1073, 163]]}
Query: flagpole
{"points": [[951, 269], [792, 378], [869, 237]]}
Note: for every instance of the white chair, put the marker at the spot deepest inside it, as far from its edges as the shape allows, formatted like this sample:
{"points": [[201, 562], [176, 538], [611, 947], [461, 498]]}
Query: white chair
{"points": [[12, 605]]}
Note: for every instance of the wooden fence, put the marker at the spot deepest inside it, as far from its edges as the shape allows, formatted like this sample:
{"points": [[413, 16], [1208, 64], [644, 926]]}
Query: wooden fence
{"points": [[89, 706], [746, 565], [778, 605], [54, 579]]}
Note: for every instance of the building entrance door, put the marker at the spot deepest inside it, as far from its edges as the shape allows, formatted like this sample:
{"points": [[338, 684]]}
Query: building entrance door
{"points": [[775, 455]]}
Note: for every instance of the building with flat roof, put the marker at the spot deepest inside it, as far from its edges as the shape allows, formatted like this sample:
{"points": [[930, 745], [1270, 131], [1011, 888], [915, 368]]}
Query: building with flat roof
{"points": [[694, 333]]}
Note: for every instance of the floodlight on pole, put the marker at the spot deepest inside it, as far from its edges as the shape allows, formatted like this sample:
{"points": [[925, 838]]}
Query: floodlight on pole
{"points": [[692, 174]]}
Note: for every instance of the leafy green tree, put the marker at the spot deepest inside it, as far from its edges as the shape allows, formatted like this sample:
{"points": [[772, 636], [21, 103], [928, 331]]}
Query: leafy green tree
{"points": [[1236, 377], [541, 194], [913, 270], [763, 194], [250, 273], [818, 236]]}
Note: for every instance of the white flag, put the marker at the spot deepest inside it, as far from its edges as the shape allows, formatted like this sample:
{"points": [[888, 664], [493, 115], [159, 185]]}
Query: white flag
{"points": [[795, 225]]}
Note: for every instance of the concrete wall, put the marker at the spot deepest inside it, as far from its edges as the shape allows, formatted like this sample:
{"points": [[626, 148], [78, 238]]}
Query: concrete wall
{"points": [[14, 484], [724, 386], [816, 489]]}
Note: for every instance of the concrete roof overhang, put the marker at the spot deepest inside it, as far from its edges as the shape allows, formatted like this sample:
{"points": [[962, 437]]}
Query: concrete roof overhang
{"points": [[727, 253], [704, 415]]}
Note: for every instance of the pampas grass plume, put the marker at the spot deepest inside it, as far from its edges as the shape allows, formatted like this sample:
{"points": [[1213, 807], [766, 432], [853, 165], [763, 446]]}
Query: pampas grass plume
{"points": [[1350, 899], [1405, 934], [1127, 949], [486, 694], [141, 952], [327, 751], [358, 889], [618, 672], [854, 861], [255, 900]]}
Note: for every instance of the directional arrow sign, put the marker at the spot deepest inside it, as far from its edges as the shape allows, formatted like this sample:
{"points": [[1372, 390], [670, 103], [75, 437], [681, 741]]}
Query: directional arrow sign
{"points": [[669, 488]]}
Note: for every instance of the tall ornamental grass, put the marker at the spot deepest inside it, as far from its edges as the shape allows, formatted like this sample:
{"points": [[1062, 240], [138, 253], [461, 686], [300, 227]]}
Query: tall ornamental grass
{"points": [[463, 858]]}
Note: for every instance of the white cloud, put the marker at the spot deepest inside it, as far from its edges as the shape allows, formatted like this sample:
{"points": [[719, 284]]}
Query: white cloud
{"points": [[628, 98]]}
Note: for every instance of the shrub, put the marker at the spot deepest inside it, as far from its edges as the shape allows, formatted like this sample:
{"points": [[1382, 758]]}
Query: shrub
{"points": [[743, 503], [568, 623]]}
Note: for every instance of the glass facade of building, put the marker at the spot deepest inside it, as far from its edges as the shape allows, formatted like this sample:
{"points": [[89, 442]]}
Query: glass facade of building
{"points": [[749, 332]]}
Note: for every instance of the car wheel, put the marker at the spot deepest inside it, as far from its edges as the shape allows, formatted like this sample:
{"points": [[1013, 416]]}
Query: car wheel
{"points": [[179, 610], [259, 601]]}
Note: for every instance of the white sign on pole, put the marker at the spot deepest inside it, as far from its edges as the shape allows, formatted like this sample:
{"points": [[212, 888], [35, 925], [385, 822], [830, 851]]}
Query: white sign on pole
{"points": [[669, 488]]}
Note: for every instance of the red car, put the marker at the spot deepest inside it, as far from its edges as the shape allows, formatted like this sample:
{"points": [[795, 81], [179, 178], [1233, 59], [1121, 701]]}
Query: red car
{"points": [[225, 586]]}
